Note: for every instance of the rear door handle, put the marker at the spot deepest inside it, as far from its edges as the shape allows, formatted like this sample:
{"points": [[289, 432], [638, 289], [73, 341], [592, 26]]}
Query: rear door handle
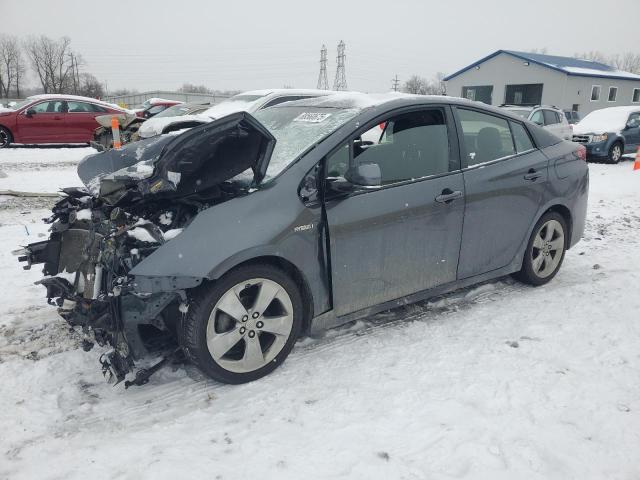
{"points": [[532, 175], [448, 196]]}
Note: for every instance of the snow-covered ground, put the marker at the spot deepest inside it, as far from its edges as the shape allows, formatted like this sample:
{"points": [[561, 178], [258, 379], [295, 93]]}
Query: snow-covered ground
{"points": [[498, 381]]}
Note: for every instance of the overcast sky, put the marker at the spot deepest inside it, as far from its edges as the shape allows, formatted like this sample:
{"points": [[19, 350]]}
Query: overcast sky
{"points": [[243, 45]]}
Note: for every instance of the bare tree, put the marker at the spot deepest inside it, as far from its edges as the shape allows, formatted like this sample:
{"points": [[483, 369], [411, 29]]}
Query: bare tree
{"points": [[89, 86], [416, 85], [629, 62], [422, 86], [190, 88], [594, 56], [53, 62], [11, 65]]}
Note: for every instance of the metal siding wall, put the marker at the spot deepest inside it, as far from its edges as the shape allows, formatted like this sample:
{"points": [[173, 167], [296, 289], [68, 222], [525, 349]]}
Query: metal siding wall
{"points": [[579, 91], [139, 98], [505, 70]]}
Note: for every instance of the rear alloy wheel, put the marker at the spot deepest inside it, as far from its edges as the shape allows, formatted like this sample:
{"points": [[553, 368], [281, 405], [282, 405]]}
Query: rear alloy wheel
{"points": [[244, 325], [615, 152], [545, 250], [5, 137]]}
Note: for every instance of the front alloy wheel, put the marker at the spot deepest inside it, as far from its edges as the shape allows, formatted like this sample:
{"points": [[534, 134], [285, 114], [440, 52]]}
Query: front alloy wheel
{"points": [[242, 326], [615, 154], [249, 325]]}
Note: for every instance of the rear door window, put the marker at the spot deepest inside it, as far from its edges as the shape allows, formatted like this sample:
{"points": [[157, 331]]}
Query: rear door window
{"points": [[80, 107], [521, 137], [486, 137], [550, 117]]}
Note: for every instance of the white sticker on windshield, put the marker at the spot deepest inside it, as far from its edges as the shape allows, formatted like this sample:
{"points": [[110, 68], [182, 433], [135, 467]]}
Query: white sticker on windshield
{"points": [[311, 117]]}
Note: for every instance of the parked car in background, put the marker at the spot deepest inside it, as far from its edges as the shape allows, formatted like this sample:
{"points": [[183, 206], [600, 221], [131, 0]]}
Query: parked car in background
{"points": [[572, 116], [130, 124], [251, 101], [53, 118], [240, 235], [154, 106], [609, 133], [166, 117], [549, 117]]}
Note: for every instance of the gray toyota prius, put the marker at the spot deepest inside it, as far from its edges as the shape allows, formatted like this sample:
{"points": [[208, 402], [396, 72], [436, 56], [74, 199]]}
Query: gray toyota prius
{"points": [[227, 242]]}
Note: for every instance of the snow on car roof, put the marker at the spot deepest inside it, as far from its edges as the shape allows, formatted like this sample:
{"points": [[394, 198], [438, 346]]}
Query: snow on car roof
{"points": [[45, 96], [355, 100], [605, 120], [290, 91]]}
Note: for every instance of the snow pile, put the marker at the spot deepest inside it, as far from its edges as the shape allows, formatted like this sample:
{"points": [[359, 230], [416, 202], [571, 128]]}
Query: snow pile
{"points": [[141, 234]]}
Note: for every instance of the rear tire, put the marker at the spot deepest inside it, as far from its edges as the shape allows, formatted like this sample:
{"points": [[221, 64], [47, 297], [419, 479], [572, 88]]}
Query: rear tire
{"points": [[242, 326], [5, 137], [545, 251], [615, 153]]}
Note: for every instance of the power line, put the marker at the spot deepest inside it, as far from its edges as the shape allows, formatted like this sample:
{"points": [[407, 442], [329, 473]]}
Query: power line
{"points": [[340, 82], [323, 83]]}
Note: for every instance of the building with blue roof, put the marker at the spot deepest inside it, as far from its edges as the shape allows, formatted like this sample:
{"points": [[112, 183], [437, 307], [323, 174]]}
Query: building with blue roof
{"points": [[522, 78]]}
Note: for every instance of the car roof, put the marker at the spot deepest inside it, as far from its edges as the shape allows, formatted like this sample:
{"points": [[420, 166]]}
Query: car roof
{"points": [[362, 101], [287, 91], [59, 96]]}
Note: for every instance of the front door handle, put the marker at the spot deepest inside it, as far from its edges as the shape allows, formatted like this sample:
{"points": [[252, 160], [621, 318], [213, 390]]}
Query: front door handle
{"points": [[532, 175], [448, 196]]}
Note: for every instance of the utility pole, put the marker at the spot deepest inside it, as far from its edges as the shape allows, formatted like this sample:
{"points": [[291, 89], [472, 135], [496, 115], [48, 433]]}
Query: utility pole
{"points": [[340, 82], [323, 83], [395, 82]]}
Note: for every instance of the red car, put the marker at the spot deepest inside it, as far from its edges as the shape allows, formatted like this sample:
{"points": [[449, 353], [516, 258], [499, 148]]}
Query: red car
{"points": [[154, 106], [52, 119]]}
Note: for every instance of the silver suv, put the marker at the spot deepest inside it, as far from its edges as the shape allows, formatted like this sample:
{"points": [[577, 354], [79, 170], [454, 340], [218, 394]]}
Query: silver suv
{"points": [[547, 116]]}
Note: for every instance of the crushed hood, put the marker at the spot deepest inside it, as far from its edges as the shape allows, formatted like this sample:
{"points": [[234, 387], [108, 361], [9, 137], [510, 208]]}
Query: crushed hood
{"points": [[180, 165]]}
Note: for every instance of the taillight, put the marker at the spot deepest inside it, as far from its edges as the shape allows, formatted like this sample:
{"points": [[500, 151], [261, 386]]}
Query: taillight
{"points": [[581, 153]]}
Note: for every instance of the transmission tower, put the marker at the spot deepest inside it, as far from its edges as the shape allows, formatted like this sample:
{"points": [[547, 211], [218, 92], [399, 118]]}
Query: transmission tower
{"points": [[323, 83], [395, 83], [340, 83]]}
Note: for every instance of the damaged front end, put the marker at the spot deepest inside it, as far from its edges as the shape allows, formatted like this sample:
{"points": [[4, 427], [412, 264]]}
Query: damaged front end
{"points": [[136, 200]]}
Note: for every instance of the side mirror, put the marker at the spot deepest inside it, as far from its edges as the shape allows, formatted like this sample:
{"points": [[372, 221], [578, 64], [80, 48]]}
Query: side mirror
{"points": [[30, 112], [366, 175]]}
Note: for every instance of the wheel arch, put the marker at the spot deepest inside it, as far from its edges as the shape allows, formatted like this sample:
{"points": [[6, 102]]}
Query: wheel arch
{"points": [[564, 211], [11, 135]]}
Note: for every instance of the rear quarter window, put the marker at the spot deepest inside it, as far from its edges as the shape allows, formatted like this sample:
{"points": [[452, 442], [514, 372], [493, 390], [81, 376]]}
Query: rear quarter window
{"points": [[542, 137]]}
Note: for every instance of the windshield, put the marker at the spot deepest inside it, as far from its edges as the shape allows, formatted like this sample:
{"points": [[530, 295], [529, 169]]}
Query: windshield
{"points": [[521, 112], [296, 128], [175, 111]]}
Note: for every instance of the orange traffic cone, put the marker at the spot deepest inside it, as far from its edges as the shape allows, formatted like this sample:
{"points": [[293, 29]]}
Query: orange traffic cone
{"points": [[636, 164]]}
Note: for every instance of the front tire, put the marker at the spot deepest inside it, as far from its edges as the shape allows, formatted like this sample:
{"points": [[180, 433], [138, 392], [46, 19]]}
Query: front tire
{"points": [[615, 152], [5, 137], [243, 326], [545, 250]]}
